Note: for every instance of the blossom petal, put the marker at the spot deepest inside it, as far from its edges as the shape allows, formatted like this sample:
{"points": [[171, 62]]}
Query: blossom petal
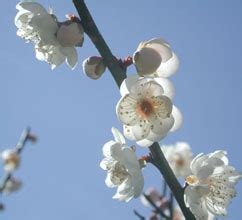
{"points": [[71, 56], [168, 68], [126, 85], [126, 110], [118, 137], [178, 119]]}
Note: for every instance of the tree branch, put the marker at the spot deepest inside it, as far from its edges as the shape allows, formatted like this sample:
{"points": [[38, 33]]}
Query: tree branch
{"points": [[119, 74], [25, 136]]}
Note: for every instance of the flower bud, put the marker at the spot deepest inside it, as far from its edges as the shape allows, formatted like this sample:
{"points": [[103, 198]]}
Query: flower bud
{"points": [[94, 67], [10, 159], [154, 58]]}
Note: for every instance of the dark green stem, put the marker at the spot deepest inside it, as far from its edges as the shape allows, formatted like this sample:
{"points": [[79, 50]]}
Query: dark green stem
{"points": [[161, 163], [92, 31], [119, 74]]}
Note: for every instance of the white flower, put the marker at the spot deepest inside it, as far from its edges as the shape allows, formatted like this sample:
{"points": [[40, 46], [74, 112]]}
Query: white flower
{"points": [[179, 157], [146, 109], [123, 169], [154, 58], [12, 185], [211, 187], [10, 159], [54, 41], [94, 67]]}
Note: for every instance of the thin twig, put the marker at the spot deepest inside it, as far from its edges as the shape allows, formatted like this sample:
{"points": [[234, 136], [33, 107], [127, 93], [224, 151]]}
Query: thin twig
{"points": [[25, 136], [141, 217], [157, 209], [164, 188], [171, 206], [119, 74]]}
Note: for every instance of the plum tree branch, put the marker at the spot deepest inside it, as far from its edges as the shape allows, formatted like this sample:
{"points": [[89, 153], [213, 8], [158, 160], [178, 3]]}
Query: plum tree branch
{"points": [[119, 74], [25, 136]]}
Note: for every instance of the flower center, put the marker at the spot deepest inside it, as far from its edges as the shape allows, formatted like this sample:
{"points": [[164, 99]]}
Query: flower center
{"points": [[180, 162], [145, 108], [192, 180], [119, 174]]}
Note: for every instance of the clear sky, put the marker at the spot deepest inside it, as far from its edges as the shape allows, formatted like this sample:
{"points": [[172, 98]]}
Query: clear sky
{"points": [[73, 115]]}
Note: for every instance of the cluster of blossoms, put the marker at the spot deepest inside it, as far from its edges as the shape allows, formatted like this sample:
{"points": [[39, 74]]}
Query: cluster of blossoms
{"points": [[11, 162], [55, 42], [146, 111]]}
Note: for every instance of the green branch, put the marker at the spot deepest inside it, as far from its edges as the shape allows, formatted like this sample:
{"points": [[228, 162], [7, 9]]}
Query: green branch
{"points": [[119, 74]]}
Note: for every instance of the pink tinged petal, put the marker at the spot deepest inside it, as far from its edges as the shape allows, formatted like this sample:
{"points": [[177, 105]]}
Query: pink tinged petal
{"points": [[167, 86], [178, 118], [71, 56], [126, 110], [118, 137], [168, 68], [126, 85], [33, 7]]}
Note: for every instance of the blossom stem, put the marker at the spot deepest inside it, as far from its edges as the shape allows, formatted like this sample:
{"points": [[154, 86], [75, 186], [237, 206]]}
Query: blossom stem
{"points": [[25, 136], [92, 31], [119, 74], [161, 163], [171, 205], [141, 217], [157, 209]]}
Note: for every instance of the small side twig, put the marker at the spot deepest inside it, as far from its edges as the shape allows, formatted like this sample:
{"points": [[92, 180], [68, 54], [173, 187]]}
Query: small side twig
{"points": [[157, 209], [141, 217]]}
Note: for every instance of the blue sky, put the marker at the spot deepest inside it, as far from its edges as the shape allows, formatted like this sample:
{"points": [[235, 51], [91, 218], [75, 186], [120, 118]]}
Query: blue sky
{"points": [[73, 115]]}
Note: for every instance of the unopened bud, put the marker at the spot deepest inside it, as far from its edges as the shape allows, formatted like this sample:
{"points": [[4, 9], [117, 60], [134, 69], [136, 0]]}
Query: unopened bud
{"points": [[147, 60], [10, 159], [94, 67]]}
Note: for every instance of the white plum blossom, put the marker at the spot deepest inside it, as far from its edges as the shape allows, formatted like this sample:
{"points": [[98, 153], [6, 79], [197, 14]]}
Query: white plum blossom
{"points": [[12, 185], [123, 168], [11, 160], [146, 109], [94, 67], [210, 188], [179, 157], [154, 58], [54, 41]]}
